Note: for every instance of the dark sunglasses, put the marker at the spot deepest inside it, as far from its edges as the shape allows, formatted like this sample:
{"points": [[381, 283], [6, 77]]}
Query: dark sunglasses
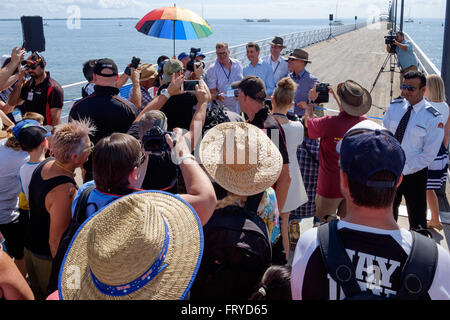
{"points": [[141, 159], [409, 88]]}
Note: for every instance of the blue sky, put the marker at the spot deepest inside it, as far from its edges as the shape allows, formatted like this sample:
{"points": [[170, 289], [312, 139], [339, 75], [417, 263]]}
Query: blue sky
{"points": [[237, 9]]}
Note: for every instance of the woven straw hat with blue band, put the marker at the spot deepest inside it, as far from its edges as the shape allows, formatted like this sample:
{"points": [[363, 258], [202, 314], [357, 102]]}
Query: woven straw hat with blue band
{"points": [[144, 246]]}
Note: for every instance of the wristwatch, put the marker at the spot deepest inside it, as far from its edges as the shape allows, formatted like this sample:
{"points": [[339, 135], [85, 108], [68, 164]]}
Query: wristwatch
{"points": [[166, 93]]}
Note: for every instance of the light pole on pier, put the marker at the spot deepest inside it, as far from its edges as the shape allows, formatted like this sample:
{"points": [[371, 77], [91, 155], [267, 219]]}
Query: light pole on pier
{"points": [[401, 14], [445, 69]]}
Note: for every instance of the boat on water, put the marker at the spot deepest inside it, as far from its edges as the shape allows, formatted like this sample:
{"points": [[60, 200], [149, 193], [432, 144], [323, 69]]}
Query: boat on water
{"points": [[263, 20], [409, 20], [337, 23], [249, 20]]}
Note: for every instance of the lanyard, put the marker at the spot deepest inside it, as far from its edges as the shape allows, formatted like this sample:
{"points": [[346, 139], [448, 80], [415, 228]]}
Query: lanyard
{"points": [[276, 68], [229, 74], [280, 114]]}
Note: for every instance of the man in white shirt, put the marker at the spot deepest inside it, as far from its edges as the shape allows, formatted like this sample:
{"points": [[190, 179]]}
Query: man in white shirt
{"points": [[279, 65], [420, 129]]}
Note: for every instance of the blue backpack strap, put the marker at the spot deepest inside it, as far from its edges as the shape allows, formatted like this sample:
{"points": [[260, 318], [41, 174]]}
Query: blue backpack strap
{"points": [[420, 267], [336, 260]]}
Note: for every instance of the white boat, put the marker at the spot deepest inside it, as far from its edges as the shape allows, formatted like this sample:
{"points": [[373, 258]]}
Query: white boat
{"points": [[336, 22], [409, 20]]}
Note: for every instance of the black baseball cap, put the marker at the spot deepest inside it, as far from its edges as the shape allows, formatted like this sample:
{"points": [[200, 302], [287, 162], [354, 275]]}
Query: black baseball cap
{"points": [[251, 86], [105, 63]]}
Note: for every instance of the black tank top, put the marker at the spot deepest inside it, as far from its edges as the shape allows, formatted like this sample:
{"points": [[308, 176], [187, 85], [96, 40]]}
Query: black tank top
{"points": [[39, 227]]}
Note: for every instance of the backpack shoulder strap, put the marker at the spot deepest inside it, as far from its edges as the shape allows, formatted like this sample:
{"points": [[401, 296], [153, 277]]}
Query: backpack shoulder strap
{"points": [[420, 267], [336, 260], [80, 209]]}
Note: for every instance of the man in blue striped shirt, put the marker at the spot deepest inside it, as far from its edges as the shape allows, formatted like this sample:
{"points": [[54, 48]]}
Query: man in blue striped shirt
{"points": [[258, 68]]}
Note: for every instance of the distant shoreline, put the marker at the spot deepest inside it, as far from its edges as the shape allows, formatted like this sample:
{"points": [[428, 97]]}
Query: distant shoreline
{"points": [[56, 19]]}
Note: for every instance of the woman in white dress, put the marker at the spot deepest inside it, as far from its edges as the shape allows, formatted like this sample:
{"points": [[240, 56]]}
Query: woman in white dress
{"points": [[282, 100], [437, 170]]}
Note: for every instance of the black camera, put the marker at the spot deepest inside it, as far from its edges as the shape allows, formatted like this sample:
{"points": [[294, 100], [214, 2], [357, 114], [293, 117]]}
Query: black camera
{"points": [[190, 64], [134, 64], [389, 40], [189, 85], [154, 141], [322, 89]]}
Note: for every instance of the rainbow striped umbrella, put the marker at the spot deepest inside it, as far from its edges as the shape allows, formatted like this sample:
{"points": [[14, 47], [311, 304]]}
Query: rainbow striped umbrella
{"points": [[174, 23]]}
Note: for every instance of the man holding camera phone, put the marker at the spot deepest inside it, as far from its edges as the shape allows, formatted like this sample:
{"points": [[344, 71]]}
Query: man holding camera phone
{"points": [[354, 101], [407, 60]]}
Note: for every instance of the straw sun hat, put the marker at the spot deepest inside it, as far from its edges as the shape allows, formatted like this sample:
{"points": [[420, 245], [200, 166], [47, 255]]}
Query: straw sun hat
{"points": [[241, 158], [119, 253]]}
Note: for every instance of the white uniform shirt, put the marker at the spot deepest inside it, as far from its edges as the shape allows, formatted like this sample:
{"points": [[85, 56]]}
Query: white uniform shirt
{"points": [[279, 67], [423, 135]]}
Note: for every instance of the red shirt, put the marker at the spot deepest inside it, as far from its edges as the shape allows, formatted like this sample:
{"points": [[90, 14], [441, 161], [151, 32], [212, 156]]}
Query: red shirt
{"points": [[330, 129]]}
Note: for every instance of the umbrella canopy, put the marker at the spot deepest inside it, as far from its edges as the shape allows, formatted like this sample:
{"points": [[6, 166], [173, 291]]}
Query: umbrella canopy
{"points": [[173, 23]]}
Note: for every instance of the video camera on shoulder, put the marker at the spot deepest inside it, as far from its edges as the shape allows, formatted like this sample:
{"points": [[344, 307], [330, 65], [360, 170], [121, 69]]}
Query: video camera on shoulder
{"points": [[192, 62], [324, 95], [154, 141], [389, 40], [134, 64]]}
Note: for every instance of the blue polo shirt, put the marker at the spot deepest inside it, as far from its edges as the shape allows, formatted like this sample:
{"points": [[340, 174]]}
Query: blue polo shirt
{"points": [[406, 58], [305, 83]]}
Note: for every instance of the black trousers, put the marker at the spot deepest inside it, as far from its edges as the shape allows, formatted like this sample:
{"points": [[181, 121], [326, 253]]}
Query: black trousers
{"points": [[414, 188]]}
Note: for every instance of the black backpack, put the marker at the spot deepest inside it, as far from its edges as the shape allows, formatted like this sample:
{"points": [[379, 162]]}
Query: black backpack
{"points": [[78, 218], [237, 251], [416, 277]]}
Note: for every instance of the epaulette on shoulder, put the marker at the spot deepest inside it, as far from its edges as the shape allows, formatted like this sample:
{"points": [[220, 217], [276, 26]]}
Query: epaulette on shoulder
{"points": [[398, 100], [433, 111]]}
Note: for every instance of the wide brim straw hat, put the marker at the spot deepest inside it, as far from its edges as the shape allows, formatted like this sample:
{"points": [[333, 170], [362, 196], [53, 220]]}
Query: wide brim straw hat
{"points": [[241, 158], [355, 100], [119, 252]]}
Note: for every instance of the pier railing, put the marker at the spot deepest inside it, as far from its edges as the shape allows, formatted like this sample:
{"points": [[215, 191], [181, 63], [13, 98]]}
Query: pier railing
{"points": [[291, 41], [425, 63]]}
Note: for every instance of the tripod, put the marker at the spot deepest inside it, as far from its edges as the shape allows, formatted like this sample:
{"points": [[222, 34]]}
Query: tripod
{"points": [[331, 34], [392, 59]]}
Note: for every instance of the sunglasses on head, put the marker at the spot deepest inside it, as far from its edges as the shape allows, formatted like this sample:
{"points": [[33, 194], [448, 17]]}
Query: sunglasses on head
{"points": [[409, 88], [358, 131]]}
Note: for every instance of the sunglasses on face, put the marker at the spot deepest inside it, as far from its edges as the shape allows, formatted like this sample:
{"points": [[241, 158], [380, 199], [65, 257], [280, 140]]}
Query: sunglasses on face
{"points": [[90, 148], [409, 88], [222, 53]]}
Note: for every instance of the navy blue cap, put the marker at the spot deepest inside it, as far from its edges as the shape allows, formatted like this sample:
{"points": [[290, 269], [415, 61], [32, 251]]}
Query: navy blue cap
{"points": [[183, 55], [30, 134], [368, 148], [200, 54]]}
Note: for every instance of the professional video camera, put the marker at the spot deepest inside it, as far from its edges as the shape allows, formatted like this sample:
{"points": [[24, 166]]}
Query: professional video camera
{"points": [[154, 141], [324, 96], [389, 40], [190, 64]]}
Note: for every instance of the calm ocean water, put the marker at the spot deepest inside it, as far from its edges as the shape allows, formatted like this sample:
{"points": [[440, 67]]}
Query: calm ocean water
{"points": [[67, 49]]}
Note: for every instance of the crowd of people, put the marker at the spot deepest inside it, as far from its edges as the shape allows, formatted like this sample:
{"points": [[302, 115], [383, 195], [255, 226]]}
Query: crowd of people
{"points": [[177, 193]]}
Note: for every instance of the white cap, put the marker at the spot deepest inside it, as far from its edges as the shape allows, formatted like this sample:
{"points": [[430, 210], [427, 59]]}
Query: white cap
{"points": [[365, 124]]}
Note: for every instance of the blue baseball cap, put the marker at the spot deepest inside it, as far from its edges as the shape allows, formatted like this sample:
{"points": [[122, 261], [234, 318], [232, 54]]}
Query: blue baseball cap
{"points": [[30, 134], [200, 54], [368, 148], [183, 55]]}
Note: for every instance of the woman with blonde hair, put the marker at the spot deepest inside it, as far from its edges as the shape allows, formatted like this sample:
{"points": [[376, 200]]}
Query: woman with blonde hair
{"points": [[282, 101], [437, 171]]}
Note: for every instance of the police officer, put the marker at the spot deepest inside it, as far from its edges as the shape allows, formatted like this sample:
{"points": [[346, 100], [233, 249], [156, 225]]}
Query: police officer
{"points": [[420, 129]]}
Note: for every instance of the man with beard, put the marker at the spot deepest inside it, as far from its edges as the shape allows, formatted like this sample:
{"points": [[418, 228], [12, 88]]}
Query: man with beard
{"points": [[40, 93]]}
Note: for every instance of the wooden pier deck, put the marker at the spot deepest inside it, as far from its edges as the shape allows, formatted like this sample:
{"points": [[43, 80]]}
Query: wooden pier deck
{"points": [[359, 56]]}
